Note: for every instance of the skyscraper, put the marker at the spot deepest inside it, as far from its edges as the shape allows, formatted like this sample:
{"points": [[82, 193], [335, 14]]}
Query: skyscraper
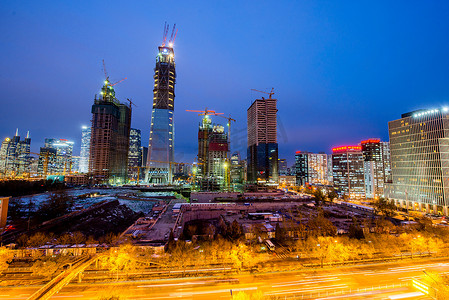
{"points": [[282, 163], [85, 148], [213, 150], [161, 144], [348, 171], [311, 168], [262, 156], [419, 145], [15, 156], [55, 158], [134, 154], [108, 154], [376, 164]]}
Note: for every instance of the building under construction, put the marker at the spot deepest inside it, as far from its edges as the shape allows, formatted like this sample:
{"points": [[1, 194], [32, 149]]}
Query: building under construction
{"points": [[161, 144], [111, 120], [213, 149]]}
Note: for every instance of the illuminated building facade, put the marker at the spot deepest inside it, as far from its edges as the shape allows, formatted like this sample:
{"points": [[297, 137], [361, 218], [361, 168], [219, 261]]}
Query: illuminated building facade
{"points": [[376, 164], [283, 168], [85, 148], [161, 144], [55, 158], [419, 145], [237, 169], [348, 171], [262, 156], [311, 168], [109, 143], [134, 154], [15, 156]]}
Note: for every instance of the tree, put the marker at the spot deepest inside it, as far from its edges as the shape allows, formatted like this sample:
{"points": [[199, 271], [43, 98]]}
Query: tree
{"points": [[280, 233], [235, 231], [355, 231], [39, 239], [321, 226], [6, 256], [58, 204], [387, 208], [332, 195], [319, 196], [78, 238]]}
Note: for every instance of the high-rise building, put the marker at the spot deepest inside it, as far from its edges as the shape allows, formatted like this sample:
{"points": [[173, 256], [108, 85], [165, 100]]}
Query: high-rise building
{"points": [[76, 164], [143, 160], [330, 176], [213, 147], [262, 156], [283, 169], [237, 169], [311, 168], [161, 144], [348, 171], [15, 156], [134, 154], [376, 163], [419, 146], [108, 154], [85, 148], [55, 158]]}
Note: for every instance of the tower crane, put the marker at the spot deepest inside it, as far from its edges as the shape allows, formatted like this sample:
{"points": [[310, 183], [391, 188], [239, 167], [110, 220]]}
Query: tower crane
{"points": [[270, 93], [229, 128], [106, 76], [205, 112]]}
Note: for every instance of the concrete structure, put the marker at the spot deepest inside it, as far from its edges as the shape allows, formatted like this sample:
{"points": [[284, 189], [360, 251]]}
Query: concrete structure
{"points": [[348, 171], [108, 154], [134, 155], [311, 168], [419, 144], [55, 158], [85, 148], [161, 144], [15, 156], [262, 156]]}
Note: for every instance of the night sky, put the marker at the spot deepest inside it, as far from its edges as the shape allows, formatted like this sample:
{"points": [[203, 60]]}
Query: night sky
{"points": [[340, 69]]}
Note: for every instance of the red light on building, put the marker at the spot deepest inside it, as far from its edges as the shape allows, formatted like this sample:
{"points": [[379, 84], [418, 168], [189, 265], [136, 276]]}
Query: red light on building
{"points": [[371, 141], [346, 148], [298, 152]]}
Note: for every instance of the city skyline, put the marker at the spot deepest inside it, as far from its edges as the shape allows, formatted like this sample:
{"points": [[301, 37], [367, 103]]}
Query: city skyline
{"points": [[345, 74]]}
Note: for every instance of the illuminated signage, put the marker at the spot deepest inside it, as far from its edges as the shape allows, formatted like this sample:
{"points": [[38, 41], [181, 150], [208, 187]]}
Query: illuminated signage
{"points": [[371, 141], [345, 148]]}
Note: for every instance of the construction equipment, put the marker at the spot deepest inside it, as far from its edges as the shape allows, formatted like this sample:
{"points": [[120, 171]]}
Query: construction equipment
{"points": [[171, 41], [270, 93], [131, 103], [205, 112], [229, 128], [106, 76]]}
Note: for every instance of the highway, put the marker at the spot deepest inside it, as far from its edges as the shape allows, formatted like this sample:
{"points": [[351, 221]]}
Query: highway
{"points": [[375, 281]]}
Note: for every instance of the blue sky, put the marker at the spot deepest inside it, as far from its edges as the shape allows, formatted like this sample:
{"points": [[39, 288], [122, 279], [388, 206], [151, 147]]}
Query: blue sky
{"points": [[340, 69]]}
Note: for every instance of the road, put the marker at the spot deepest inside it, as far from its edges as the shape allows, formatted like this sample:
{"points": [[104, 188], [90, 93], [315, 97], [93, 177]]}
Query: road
{"points": [[380, 281]]}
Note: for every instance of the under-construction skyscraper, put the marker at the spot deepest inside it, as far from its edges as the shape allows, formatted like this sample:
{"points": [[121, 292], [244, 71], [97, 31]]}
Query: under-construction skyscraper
{"points": [[109, 143], [161, 144]]}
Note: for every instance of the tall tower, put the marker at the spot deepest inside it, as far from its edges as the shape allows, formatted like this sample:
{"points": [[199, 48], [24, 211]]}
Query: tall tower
{"points": [[85, 148], [262, 141], [161, 144], [109, 143]]}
